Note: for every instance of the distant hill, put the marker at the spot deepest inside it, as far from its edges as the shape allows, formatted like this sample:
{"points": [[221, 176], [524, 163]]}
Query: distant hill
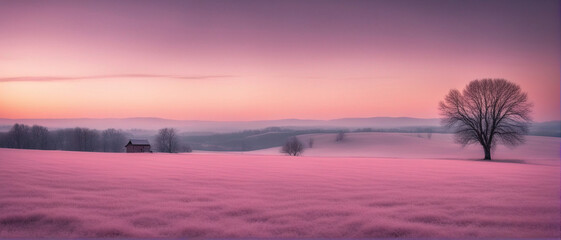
{"points": [[223, 126], [193, 127]]}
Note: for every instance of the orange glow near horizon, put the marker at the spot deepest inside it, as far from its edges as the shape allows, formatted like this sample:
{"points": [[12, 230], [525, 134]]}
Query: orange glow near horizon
{"points": [[228, 63]]}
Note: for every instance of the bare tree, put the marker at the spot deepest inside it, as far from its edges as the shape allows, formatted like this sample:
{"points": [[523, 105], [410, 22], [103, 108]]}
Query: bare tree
{"points": [[84, 139], [113, 140], [311, 143], [19, 136], [78, 139], [488, 112], [63, 139], [167, 140], [39, 137], [293, 147], [4, 143]]}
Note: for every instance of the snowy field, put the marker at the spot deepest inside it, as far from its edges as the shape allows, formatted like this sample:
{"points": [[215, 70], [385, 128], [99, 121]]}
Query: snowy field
{"points": [[419, 145], [369, 186]]}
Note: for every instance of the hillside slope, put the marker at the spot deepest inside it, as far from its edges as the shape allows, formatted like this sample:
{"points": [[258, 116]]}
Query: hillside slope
{"points": [[413, 145]]}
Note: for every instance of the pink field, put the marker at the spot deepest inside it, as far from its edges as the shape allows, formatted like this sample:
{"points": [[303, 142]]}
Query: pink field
{"points": [[76, 194]]}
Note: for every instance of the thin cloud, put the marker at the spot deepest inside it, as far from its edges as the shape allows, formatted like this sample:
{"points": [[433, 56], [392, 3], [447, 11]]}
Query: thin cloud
{"points": [[63, 78], [346, 78]]}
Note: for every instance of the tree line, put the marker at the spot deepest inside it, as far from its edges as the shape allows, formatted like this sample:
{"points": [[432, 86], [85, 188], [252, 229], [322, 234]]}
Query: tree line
{"points": [[167, 140], [70, 139], [84, 139]]}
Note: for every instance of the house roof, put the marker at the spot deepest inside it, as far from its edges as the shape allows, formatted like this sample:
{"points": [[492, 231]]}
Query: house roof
{"points": [[138, 142]]}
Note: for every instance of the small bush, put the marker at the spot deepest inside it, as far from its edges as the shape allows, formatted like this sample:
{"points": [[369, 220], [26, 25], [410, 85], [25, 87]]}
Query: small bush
{"points": [[293, 147]]}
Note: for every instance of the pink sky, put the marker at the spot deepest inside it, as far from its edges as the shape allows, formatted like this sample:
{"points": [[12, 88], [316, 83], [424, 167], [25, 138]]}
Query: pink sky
{"points": [[258, 60]]}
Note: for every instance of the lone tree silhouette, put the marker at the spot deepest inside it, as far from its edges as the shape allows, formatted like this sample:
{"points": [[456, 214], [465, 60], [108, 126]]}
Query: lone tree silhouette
{"points": [[488, 112], [293, 147]]}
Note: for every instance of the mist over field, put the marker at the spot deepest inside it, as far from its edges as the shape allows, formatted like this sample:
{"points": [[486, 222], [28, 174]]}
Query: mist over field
{"points": [[262, 194]]}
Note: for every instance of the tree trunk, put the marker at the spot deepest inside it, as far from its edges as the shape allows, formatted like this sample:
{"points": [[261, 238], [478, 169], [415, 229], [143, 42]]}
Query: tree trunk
{"points": [[487, 152]]}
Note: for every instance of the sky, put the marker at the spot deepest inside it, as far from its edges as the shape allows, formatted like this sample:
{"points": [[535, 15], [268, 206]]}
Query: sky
{"points": [[263, 60]]}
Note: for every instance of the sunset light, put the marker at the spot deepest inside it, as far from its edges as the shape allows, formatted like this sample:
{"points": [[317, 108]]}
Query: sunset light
{"points": [[257, 60]]}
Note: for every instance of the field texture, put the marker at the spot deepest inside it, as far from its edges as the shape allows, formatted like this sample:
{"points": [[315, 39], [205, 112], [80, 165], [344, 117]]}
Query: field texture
{"points": [[74, 194]]}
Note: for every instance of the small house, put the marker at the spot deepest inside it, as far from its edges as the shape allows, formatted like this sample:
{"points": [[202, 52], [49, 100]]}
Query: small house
{"points": [[138, 145]]}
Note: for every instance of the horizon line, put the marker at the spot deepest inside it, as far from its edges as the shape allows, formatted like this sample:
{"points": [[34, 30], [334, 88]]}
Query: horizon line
{"points": [[261, 120], [199, 120]]}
